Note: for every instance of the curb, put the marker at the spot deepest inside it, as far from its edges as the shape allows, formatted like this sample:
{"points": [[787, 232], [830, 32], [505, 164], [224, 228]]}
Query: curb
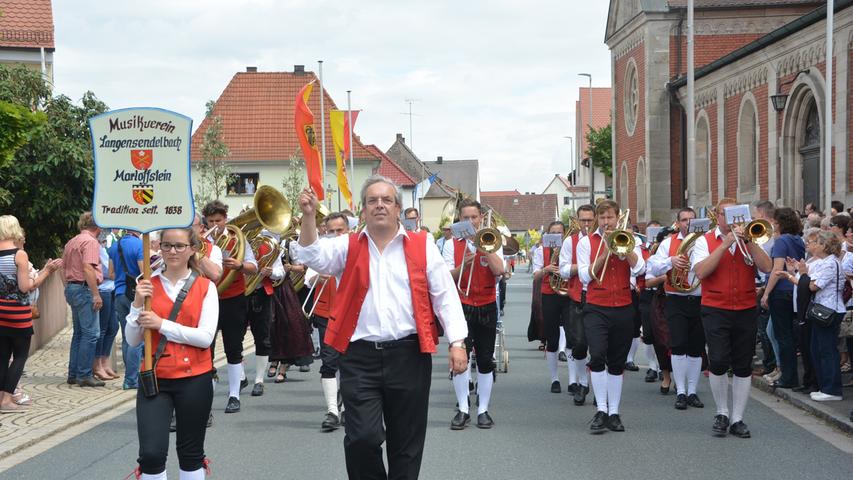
{"points": [[814, 408]]}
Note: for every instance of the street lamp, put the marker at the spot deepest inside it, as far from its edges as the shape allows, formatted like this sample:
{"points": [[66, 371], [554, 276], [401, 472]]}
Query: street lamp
{"points": [[591, 168], [780, 99], [572, 159]]}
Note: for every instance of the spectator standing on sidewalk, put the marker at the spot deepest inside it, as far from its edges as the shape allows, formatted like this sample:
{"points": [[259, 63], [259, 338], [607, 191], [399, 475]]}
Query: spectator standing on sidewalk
{"points": [[107, 319], [126, 262], [82, 261]]}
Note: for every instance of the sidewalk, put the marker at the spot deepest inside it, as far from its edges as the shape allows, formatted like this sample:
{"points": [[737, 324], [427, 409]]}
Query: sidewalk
{"points": [[58, 406]]}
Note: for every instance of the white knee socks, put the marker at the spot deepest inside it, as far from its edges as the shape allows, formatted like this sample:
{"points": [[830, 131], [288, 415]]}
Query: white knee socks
{"points": [[573, 368], [679, 373], [156, 476], [633, 350], [260, 367], [740, 395], [235, 372], [484, 390], [551, 358], [599, 387], [195, 475], [694, 369], [614, 393], [460, 386], [583, 372], [720, 390], [330, 393]]}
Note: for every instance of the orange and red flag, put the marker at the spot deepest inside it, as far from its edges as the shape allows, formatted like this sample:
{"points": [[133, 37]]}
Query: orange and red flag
{"points": [[304, 121]]}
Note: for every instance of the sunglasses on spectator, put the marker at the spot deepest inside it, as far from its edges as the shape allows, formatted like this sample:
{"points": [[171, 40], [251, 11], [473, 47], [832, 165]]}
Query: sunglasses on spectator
{"points": [[179, 247]]}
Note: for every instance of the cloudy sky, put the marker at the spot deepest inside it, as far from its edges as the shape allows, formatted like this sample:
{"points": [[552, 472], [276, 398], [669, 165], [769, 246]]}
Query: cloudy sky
{"points": [[494, 80]]}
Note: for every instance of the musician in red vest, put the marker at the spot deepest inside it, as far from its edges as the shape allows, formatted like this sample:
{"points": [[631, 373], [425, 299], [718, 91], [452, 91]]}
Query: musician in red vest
{"points": [[555, 307], [232, 306], [729, 314], [683, 315], [183, 367], [209, 264], [608, 314], [575, 334], [478, 280], [391, 286], [259, 311], [325, 288]]}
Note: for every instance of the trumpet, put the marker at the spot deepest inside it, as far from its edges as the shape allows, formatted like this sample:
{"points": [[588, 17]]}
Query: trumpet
{"points": [[620, 242]]}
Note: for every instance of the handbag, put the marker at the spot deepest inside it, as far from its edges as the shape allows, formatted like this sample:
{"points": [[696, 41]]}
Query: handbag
{"points": [[148, 378], [821, 315]]}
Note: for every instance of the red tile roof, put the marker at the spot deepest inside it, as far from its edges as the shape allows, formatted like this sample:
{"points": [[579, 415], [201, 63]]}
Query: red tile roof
{"points": [[387, 168], [257, 118], [26, 24], [499, 192], [525, 212], [600, 112]]}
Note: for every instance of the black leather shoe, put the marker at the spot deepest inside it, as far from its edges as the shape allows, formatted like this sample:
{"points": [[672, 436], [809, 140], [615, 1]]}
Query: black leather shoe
{"points": [[721, 425], [739, 429], [244, 383], [562, 357], [460, 421], [651, 376], [210, 420], [484, 420], [580, 395], [681, 402], [90, 382], [632, 367], [71, 381], [664, 390], [173, 425], [693, 401], [258, 390], [614, 423], [572, 388], [555, 387], [599, 423], [233, 405], [330, 423]]}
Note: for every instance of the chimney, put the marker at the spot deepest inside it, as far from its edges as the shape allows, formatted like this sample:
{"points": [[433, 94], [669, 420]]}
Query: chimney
{"points": [[400, 138], [251, 69], [439, 160], [299, 69]]}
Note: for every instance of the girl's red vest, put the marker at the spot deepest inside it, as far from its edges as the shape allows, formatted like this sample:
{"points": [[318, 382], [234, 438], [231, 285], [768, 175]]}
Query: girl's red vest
{"points": [[616, 290], [575, 284], [180, 360], [355, 282], [483, 283], [732, 285]]}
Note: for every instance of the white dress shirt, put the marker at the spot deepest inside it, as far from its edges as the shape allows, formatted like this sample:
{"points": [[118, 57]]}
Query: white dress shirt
{"points": [[449, 253], [828, 275], [584, 260], [566, 259], [538, 260], [387, 313], [200, 337], [700, 250], [216, 255], [277, 266], [661, 262]]}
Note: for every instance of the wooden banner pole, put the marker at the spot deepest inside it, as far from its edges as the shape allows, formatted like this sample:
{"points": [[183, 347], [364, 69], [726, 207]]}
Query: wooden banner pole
{"points": [[146, 275]]}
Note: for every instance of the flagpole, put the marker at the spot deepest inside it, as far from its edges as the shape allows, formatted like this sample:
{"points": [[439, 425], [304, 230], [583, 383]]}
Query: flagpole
{"points": [[827, 111], [322, 125], [351, 145], [691, 104]]}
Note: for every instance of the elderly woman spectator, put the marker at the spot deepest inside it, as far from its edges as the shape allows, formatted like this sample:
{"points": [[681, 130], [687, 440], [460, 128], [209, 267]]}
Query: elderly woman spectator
{"points": [[838, 225], [825, 278], [813, 220]]}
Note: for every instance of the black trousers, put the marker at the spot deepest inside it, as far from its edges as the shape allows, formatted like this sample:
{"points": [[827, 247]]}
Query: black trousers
{"points": [[731, 339], [17, 348], [555, 314], [482, 330], [684, 318], [502, 292], [232, 322], [638, 319], [575, 332], [389, 384], [329, 357], [191, 399], [609, 331], [259, 312]]}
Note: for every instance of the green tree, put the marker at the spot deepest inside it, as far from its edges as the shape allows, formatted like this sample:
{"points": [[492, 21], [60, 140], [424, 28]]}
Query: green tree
{"points": [[294, 182], [566, 214], [600, 149], [50, 180], [18, 125], [214, 173]]}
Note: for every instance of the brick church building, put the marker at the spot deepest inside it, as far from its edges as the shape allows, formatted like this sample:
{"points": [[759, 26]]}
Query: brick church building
{"points": [[745, 51]]}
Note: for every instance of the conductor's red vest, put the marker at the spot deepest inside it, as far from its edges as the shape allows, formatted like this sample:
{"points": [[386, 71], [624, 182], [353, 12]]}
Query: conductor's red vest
{"points": [[483, 281], [732, 284], [616, 289], [180, 360], [355, 282]]}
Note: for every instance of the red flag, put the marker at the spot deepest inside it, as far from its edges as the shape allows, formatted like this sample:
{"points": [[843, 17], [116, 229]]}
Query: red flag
{"points": [[304, 121]]}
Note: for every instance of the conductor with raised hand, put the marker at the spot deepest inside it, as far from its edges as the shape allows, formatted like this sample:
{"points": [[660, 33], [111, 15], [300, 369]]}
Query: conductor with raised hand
{"points": [[392, 284]]}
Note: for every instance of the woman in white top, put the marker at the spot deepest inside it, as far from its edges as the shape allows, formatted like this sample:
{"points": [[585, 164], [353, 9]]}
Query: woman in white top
{"points": [[826, 280]]}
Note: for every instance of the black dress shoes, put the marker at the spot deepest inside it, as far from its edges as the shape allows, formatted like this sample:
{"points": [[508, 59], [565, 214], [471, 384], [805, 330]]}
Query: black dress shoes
{"points": [[721, 425], [739, 429], [233, 405], [664, 390], [693, 401], [460, 421], [632, 367], [555, 387], [484, 420], [614, 423], [651, 376], [90, 382], [330, 423], [599, 423], [580, 394], [681, 402], [258, 390], [572, 388]]}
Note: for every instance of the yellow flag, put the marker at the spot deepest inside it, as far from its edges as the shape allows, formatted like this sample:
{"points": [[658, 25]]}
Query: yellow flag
{"points": [[337, 121]]}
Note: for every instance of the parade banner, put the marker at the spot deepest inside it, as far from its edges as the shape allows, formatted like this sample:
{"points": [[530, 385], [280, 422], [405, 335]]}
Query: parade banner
{"points": [[142, 169]]}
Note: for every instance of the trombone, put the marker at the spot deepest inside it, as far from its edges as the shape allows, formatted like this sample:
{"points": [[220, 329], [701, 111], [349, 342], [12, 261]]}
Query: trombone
{"points": [[487, 240], [620, 241], [757, 231], [316, 299]]}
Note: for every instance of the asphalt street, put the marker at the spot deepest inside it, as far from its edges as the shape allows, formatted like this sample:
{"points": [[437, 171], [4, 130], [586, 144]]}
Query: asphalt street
{"points": [[537, 434]]}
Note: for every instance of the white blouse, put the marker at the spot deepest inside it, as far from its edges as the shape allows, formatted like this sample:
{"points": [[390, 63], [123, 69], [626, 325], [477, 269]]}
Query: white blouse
{"points": [[829, 277]]}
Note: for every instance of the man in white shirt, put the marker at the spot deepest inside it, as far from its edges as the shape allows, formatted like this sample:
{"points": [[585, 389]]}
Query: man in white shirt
{"points": [[392, 284]]}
